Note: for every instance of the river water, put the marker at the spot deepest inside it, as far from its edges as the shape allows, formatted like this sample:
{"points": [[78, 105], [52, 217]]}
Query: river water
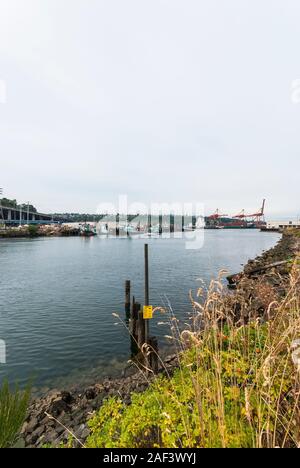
{"points": [[57, 297]]}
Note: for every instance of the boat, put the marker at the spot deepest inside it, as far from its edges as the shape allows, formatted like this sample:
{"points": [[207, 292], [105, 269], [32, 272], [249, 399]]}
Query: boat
{"points": [[86, 230], [129, 230], [155, 229], [213, 226]]}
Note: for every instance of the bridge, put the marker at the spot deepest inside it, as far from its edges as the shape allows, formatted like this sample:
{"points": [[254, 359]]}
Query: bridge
{"points": [[18, 216], [11, 216]]}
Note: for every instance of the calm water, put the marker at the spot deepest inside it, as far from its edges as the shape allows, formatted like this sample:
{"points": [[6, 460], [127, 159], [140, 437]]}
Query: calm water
{"points": [[57, 296]]}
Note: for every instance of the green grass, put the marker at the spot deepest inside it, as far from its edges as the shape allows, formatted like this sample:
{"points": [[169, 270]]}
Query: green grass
{"points": [[13, 407]]}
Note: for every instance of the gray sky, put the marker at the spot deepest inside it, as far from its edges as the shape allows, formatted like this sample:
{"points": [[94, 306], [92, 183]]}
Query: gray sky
{"points": [[163, 100]]}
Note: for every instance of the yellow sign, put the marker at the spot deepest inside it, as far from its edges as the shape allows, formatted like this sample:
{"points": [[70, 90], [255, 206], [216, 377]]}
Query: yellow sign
{"points": [[148, 312]]}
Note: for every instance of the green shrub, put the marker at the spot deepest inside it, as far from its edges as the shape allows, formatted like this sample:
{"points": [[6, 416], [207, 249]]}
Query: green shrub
{"points": [[33, 230], [13, 407]]}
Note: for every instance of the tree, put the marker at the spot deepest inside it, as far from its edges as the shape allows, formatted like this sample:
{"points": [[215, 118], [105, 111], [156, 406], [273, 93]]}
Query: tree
{"points": [[9, 203], [6, 202]]}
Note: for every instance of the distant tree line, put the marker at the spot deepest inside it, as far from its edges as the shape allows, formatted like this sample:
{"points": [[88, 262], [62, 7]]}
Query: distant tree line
{"points": [[78, 217]]}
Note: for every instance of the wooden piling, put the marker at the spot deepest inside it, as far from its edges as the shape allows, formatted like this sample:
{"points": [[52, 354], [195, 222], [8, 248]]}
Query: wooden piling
{"points": [[134, 318], [160, 222], [154, 364], [117, 225], [128, 219], [127, 298], [149, 224], [140, 329], [172, 223], [134, 328]]}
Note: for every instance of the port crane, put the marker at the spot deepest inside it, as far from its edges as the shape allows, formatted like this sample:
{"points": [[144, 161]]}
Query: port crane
{"points": [[259, 216], [241, 219], [241, 215], [217, 215]]}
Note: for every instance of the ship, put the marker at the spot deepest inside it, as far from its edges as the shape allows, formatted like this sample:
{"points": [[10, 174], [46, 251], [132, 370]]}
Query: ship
{"points": [[87, 230], [239, 221]]}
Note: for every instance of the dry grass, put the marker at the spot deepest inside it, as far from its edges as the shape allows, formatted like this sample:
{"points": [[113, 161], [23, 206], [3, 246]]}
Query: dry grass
{"points": [[259, 361]]}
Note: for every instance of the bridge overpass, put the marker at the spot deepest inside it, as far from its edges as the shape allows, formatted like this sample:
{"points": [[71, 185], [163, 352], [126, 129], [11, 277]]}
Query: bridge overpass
{"points": [[16, 216]]}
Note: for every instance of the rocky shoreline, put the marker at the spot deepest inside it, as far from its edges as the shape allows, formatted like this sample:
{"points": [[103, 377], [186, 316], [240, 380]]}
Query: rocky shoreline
{"points": [[264, 281], [287, 247], [52, 419], [40, 231]]}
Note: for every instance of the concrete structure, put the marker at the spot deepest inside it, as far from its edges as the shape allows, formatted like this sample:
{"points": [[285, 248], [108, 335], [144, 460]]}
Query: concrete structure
{"points": [[16, 216], [283, 225]]}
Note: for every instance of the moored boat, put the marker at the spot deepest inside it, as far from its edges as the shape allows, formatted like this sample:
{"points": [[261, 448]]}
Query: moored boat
{"points": [[86, 230]]}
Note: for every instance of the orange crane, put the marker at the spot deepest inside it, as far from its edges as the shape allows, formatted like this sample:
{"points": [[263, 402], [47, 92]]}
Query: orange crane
{"points": [[259, 216], [241, 215], [217, 215]]}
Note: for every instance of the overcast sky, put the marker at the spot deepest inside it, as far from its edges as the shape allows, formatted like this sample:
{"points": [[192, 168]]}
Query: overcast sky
{"points": [[163, 100]]}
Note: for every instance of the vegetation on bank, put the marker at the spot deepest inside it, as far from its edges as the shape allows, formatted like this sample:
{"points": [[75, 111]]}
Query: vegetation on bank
{"points": [[23, 231], [237, 386], [33, 230], [13, 408], [293, 232]]}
